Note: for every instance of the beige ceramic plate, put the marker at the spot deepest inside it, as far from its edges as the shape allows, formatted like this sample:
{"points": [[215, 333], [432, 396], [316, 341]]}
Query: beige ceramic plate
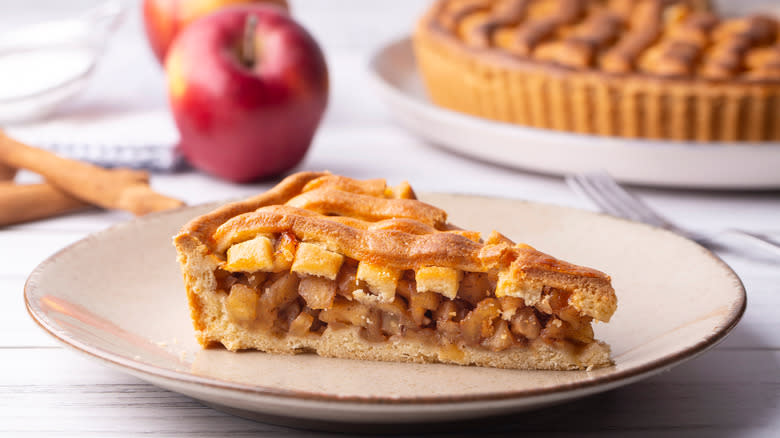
{"points": [[118, 296]]}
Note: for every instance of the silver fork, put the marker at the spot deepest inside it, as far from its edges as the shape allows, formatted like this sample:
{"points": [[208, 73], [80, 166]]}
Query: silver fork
{"points": [[613, 199]]}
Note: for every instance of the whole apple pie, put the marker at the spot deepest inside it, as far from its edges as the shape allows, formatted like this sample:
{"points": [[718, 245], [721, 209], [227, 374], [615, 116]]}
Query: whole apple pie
{"points": [[357, 269], [660, 69]]}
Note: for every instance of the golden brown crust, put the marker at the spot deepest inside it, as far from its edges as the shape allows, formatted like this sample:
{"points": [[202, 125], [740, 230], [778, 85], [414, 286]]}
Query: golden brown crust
{"points": [[202, 227], [335, 201], [653, 70]]}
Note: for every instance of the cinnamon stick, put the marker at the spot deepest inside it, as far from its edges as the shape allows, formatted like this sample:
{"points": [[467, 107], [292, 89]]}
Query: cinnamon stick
{"points": [[28, 202], [7, 173], [122, 189]]}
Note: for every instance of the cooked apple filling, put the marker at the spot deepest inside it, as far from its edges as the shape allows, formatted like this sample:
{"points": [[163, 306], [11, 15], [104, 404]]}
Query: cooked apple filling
{"points": [[277, 284]]}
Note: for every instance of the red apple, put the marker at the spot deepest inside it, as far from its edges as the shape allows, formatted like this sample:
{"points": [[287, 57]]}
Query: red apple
{"points": [[164, 19], [247, 87]]}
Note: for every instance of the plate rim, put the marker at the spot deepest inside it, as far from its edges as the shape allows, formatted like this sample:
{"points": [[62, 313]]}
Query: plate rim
{"points": [[135, 366]]}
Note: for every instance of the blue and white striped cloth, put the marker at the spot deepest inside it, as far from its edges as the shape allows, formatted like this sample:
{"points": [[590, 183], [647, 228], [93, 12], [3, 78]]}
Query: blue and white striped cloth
{"points": [[137, 139]]}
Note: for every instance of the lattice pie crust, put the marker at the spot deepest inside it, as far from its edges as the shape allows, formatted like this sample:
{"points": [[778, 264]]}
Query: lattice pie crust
{"points": [[663, 69]]}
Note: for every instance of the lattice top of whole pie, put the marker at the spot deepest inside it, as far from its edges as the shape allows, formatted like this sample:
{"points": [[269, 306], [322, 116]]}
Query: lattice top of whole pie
{"points": [[668, 38], [312, 222]]}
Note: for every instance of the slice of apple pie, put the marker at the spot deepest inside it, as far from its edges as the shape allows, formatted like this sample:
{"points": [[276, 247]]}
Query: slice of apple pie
{"points": [[356, 269]]}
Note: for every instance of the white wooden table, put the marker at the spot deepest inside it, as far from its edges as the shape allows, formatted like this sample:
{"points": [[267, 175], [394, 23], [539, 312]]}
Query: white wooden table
{"points": [[48, 390]]}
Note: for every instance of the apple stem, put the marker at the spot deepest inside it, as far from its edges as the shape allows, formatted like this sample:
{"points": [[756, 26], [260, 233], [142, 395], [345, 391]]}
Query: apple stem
{"points": [[248, 47]]}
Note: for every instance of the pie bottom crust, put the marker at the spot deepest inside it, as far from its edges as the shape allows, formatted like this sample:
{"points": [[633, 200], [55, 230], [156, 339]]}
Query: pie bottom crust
{"points": [[500, 88], [347, 343], [214, 326]]}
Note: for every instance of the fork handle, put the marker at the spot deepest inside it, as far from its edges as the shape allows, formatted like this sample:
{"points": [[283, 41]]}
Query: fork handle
{"points": [[758, 240]]}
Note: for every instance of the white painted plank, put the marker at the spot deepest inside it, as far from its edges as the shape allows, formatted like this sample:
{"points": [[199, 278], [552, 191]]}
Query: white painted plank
{"points": [[20, 251], [723, 391], [760, 327], [17, 329]]}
